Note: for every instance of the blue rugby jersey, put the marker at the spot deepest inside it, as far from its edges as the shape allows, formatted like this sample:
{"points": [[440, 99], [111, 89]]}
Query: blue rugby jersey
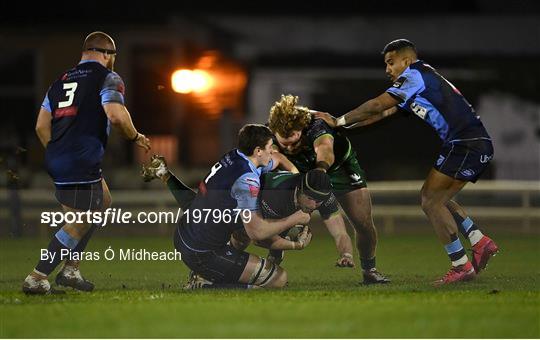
{"points": [[80, 127], [427, 94], [233, 183]]}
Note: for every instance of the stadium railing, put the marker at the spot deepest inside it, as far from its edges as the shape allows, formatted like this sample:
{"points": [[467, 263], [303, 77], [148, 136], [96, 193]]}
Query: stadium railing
{"points": [[394, 200]]}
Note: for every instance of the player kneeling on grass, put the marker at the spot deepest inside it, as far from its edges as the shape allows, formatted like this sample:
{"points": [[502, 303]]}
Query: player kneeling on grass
{"points": [[283, 193], [232, 186]]}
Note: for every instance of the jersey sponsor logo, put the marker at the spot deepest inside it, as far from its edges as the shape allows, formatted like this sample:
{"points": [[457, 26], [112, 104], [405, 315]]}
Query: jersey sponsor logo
{"points": [[267, 209], [440, 160], [399, 82], [331, 200], [418, 110], [254, 190], [467, 172], [485, 158], [66, 112]]}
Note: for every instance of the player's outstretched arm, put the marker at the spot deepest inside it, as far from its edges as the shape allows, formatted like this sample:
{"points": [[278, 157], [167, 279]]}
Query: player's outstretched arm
{"points": [[43, 126], [259, 229], [121, 119], [369, 112], [374, 118]]}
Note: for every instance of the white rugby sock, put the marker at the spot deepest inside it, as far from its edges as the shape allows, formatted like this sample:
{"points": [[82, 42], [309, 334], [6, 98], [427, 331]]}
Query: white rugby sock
{"points": [[475, 236], [461, 261]]}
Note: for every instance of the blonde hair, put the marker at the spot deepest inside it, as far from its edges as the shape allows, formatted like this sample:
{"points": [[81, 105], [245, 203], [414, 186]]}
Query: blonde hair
{"points": [[286, 116]]}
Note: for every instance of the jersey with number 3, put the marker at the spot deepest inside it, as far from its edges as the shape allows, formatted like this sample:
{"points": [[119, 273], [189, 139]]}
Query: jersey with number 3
{"points": [[425, 93], [79, 126]]}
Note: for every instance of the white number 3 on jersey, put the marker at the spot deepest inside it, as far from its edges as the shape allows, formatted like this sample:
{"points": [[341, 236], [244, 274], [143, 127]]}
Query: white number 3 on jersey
{"points": [[70, 94]]}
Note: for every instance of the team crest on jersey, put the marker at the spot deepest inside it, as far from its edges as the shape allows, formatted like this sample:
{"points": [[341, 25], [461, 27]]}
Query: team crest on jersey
{"points": [[398, 83]]}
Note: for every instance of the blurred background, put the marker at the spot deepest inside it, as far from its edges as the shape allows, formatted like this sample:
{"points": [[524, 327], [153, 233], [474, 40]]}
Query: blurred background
{"points": [[195, 73]]}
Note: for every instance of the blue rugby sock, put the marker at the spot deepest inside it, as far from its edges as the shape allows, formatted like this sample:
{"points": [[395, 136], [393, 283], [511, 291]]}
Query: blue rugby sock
{"points": [[468, 228], [61, 243], [456, 252], [84, 241]]}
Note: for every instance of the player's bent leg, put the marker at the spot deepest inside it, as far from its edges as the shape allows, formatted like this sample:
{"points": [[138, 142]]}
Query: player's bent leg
{"points": [[239, 239], [70, 274], [74, 198], [107, 198], [483, 247], [262, 273], [357, 206], [437, 190], [64, 241]]}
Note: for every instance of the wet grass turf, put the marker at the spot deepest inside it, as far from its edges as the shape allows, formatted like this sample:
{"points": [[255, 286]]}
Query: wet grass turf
{"points": [[144, 298]]}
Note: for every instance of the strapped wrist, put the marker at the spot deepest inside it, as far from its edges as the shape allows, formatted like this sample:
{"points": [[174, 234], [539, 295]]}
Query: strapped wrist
{"points": [[322, 165]]}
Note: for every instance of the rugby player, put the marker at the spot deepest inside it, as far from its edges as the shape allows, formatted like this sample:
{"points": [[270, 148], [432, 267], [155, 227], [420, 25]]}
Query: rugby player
{"points": [[73, 125], [310, 143], [282, 193], [466, 152], [232, 183]]}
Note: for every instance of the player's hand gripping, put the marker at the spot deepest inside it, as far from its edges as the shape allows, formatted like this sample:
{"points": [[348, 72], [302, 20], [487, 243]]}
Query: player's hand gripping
{"points": [[301, 217], [328, 118], [142, 142], [304, 238]]}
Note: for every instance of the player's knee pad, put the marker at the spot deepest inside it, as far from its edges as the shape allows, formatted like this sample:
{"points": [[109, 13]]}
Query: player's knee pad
{"points": [[264, 273]]}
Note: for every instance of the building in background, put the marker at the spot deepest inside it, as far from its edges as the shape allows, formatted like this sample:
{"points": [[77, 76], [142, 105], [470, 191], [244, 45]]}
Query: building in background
{"points": [[331, 61]]}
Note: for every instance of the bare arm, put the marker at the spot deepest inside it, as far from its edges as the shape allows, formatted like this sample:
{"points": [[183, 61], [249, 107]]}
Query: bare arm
{"points": [[374, 118], [379, 107], [278, 243], [324, 148], [283, 162], [259, 229], [121, 119], [336, 227], [43, 126]]}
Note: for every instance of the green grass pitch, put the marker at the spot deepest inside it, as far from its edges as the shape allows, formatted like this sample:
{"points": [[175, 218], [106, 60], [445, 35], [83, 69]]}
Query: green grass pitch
{"points": [[144, 299]]}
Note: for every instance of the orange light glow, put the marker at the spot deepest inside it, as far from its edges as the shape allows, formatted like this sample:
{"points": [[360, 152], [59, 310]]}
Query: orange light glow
{"points": [[187, 81]]}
